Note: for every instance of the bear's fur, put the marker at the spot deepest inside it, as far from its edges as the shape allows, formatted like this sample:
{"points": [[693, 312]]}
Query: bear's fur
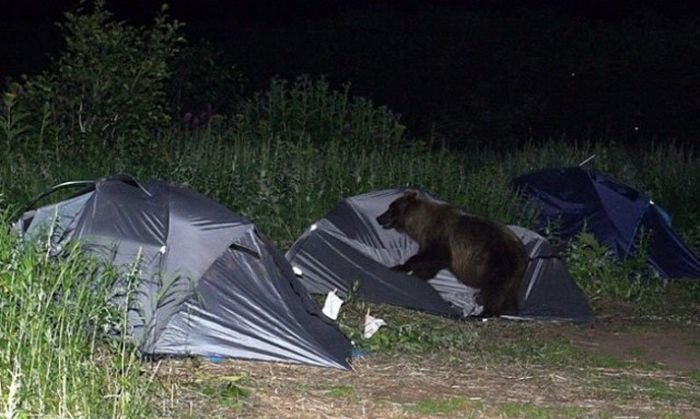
{"points": [[481, 253]]}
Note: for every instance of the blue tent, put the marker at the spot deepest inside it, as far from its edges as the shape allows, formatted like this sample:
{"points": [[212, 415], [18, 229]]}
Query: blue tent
{"points": [[612, 211]]}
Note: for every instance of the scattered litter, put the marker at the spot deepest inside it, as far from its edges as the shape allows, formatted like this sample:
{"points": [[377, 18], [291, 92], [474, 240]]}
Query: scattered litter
{"points": [[297, 271], [372, 324], [331, 307]]}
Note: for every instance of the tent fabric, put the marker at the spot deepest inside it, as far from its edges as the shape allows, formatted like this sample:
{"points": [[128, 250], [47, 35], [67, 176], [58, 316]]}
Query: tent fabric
{"points": [[615, 213], [348, 251], [209, 283]]}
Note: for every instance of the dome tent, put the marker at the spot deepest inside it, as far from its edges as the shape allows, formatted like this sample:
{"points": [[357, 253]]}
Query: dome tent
{"points": [[208, 284], [615, 213], [347, 245]]}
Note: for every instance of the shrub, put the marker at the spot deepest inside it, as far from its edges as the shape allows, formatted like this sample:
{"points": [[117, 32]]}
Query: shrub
{"points": [[108, 87], [311, 110], [604, 279]]}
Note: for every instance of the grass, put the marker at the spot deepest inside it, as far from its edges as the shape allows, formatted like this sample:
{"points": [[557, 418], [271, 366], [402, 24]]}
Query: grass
{"points": [[407, 330], [340, 391], [53, 318], [227, 394], [648, 387], [283, 186], [608, 361], [524, 410], [448, 407], [695, 376]]}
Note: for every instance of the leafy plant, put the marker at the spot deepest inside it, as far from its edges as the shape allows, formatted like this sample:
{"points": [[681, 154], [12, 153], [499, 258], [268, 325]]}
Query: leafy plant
{"points": [[602, 277], [519, 410], [108, 87], [406, 330], [448, 407], [228, 393], [13, 122], [308, 109]]}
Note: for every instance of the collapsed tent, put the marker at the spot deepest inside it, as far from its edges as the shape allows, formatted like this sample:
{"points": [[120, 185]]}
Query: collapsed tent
{"points": [[209, 283], [573, 198], [348, 251]]}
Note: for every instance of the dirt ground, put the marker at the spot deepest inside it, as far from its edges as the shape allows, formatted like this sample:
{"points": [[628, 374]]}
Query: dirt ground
{"points": [[616, 367], [673, 345]]}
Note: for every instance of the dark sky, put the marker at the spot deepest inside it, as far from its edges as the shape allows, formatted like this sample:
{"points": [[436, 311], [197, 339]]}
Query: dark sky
{"points": [[28, 33]]}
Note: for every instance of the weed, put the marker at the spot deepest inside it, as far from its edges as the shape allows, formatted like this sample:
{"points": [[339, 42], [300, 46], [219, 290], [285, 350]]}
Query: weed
{"points": [[533, 411], [406, 330], [602, 277], [340, 392], [607, 361], [107, 89], [448, 407], [53, 316], [227, 394], [656, 389], [534, 349], [695, 376]]}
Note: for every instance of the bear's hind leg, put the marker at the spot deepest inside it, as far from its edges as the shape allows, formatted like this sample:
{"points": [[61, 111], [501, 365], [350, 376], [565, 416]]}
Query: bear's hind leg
{"points": [[493, 298]]}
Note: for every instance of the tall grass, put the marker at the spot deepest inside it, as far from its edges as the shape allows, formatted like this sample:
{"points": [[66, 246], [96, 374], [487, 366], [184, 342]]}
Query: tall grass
{"points": [[55, 360], [290, 154]]}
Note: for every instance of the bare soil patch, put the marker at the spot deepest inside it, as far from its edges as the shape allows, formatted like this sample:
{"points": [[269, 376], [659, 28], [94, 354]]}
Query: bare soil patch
{"points": [[673, 345]]}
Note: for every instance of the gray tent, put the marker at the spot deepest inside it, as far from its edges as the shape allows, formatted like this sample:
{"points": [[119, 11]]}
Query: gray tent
{"points": [[209, 283], [348, 246]]}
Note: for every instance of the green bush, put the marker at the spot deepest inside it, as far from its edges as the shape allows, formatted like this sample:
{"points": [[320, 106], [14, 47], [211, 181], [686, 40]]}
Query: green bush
{"points": [[606, 280], [311, 110], [108, 87]]}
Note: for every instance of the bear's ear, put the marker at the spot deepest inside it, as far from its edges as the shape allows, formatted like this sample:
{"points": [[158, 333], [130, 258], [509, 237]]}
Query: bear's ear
{"points": [[411, 193]]}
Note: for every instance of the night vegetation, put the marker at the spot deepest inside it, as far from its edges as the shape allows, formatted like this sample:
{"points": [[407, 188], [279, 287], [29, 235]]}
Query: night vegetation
{"points": [[123, 98]]}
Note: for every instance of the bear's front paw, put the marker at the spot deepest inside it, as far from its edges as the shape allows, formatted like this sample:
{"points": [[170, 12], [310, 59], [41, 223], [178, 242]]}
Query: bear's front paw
{"points": [[399, 268]]}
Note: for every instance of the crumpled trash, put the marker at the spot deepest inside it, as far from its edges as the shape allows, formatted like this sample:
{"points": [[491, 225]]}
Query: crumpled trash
{"points": [[331, 307], [372, 324]]}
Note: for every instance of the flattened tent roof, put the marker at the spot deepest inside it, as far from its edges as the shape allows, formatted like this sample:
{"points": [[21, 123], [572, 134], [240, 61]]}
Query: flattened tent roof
{"points": [[209, 282], [615, 213], [348, 246]]}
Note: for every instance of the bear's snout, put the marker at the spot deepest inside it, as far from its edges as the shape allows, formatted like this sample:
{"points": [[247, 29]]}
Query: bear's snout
{"points": [[385, 220]]}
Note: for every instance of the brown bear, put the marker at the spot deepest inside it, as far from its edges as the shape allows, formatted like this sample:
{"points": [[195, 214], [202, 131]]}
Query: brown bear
{"points": [[481, 253]]}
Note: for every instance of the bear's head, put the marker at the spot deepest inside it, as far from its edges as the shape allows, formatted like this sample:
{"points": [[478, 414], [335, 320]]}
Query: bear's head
{"points": [[395, 216]]}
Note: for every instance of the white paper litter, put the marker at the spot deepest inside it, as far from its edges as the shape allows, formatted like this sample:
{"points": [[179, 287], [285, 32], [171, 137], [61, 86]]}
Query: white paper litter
{"points": [[297, 271], [331, 307], [372, 324]]}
